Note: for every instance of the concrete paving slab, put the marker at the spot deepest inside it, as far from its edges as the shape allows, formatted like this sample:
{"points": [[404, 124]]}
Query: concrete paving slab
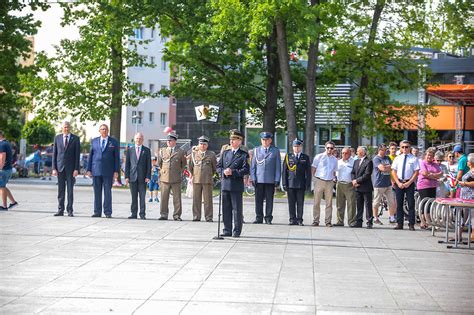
{"points": [[57, 265]]}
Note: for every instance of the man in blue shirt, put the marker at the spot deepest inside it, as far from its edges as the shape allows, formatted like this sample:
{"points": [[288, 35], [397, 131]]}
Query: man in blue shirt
{"points": [[5, 173]]}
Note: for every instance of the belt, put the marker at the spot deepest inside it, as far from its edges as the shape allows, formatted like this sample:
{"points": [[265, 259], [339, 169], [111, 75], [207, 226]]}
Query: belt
{"points": [[325, 180], [403, 181], [345, 183]]}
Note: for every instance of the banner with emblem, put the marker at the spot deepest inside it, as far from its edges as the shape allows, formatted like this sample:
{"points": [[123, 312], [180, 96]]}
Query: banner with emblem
{"points": [[207, 112]]}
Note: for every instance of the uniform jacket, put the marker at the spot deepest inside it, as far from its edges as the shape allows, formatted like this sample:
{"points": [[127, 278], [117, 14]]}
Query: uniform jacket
{"points": [[265, 168], [202, 166], [171, 165], [238, 163], [300, 178], [362, 173], [138, 170], [107, 162], [66, 158]]}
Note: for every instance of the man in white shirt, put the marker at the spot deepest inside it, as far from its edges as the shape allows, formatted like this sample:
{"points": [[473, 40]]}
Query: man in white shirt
{"points": [[344, 188], [405, 170], [323, 170]]}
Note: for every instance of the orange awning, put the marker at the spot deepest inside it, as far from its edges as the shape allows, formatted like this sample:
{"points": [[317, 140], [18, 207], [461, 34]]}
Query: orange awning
{"points": [[460, 94]]}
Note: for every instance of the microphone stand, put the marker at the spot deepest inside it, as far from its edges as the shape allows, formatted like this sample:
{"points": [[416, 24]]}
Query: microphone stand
{"points": [[218, 237]]}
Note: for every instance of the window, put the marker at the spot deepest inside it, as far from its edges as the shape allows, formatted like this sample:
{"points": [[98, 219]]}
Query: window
{"points": [[137, 117], [151, 117], [138, 33], [152, 60], [163, 119], [139, 86], [152, 88], [152, 33], [143, 58], [163, 65], [173, 100], [163, 39]]}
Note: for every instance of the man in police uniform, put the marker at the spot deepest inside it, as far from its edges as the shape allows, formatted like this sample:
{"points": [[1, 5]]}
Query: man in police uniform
{"points": [[171, 161], [296, 179], [202, 166], [265, 173], [232, 167]]}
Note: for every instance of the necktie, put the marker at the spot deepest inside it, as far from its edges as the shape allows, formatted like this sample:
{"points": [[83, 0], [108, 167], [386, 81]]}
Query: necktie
{"points": [[266, 150], [233, 152], [138, 153], [102, 147], [403, 167], [298, 156], [66, 141]]}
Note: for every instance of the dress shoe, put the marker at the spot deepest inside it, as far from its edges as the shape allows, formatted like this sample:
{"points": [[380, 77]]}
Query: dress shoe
{"points": [[257, 222], [132, 217], [96, 215], [267, 221], [338, 224], [108, 216], [2, 208], [369, 227], [398, 227], [70, 214], [209, 220], [142, 217], [315, 224], [178, 219], [225, 234], [411, 227], [300, 224], [328, 225], [195, 220], [59, 214], [293, 223], [235, 235], [162, 218], [355, 225]]}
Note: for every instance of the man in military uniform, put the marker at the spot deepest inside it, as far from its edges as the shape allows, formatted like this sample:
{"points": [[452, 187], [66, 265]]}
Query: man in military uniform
{"points": [[171, 161], [202, 166], [296, 179], [265, 173], [232, 167]]}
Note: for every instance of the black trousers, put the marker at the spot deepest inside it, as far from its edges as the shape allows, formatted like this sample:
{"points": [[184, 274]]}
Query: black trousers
{"points": [[65, 179], [296, 204], [400, 194], [232, 210], [138, 189], [364, 199], [264, 192]]}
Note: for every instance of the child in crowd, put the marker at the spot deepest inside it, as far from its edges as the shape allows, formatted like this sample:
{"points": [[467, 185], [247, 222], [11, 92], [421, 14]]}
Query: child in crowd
{"points": [[155, 179]]}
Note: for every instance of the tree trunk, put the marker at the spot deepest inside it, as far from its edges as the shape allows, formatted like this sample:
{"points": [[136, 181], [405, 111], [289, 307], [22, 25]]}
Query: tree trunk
{"points": [[117, 90], [288, 97], [273, 69], [357, 110], [313, 54]]}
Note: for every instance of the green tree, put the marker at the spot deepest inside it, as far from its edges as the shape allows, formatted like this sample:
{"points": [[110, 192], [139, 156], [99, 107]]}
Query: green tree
{"points": [[15, 47], [38, 131], [87, 77]]}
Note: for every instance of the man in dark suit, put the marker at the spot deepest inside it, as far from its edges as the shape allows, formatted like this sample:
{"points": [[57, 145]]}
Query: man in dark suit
{"points": [[137, 174], [362, 182], [232, 167], [65, 164], [104, 167], [296, 179]]}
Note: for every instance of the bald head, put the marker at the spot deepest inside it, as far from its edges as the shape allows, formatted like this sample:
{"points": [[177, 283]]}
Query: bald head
{"points": [[138, 138]]}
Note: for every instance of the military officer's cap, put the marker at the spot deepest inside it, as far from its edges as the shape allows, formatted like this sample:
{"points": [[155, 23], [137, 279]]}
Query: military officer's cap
{"points": [[266, 135], [203, 139], [172, 136], [236, 134], [297, 142]]}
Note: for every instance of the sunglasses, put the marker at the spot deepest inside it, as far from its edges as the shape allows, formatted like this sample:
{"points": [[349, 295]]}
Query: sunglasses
{"points": [[404, 147], [450, 157], [330, 148]]}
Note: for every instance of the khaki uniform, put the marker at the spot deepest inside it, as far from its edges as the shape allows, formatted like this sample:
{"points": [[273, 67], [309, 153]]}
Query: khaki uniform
{"points": [[171, 174], [202, 166]]}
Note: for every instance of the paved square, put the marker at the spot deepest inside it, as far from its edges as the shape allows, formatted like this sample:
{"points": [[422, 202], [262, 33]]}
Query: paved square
{"points": [[96, 265]]}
